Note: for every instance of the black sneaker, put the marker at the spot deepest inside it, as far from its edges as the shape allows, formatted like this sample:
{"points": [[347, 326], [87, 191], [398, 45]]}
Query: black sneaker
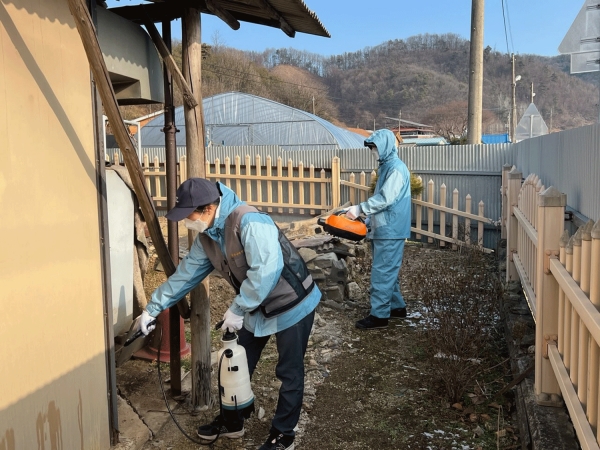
{"points": [[218, 427], [371, 323], [398, 313], [278, 442]]}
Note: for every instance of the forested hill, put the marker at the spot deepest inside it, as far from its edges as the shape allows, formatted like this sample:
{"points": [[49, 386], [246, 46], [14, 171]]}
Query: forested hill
{"points": [[423, 72], [417, 77]]}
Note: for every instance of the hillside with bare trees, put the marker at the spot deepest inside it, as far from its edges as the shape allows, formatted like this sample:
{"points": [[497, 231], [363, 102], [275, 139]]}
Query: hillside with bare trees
{"points": [[423, 78]]}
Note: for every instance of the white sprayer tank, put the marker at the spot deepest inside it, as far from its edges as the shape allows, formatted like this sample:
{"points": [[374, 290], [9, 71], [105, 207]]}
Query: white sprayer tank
{"points": [[236, 392]]}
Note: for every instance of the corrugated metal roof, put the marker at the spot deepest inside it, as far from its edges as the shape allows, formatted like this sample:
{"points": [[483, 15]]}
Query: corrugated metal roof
{"points": [[238, 119], [495, 138], [294, 12], [425, 141]]}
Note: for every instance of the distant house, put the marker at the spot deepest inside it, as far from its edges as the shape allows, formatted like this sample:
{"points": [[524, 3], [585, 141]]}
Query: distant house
{"points": [[413, 130], [420, 142]]}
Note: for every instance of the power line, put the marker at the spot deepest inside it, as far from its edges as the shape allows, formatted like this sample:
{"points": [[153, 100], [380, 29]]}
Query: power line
{"points": [[505, 31], [512, 44]]}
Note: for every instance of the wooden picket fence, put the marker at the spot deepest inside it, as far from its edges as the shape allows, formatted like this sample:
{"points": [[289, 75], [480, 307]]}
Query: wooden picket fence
{"points": [[307, 191], [560, 275]]}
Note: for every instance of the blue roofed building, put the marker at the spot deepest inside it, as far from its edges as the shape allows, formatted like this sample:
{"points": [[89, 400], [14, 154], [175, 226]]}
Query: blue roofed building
{"points": [[495, 138]]}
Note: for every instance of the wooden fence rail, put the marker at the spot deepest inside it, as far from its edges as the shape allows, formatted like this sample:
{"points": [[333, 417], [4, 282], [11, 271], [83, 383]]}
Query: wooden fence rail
{"points": [[307, 191], [561, 278]]}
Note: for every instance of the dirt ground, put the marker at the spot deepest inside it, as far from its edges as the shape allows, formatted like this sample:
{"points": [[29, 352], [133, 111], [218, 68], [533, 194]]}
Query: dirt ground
{"points": [[364, 389]]}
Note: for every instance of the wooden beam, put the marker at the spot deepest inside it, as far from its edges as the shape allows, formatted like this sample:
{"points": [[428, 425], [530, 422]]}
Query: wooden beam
{"points": [[86, 30], [194, 135], [223, 14], [188, 95], [283, 24]]}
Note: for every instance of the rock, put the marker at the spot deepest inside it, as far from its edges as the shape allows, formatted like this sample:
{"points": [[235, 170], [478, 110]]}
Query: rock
{"points": [[334, 305], [325, 261], [308, 254], [338, 273], [335, 293], [354, 291], [317, 274]]}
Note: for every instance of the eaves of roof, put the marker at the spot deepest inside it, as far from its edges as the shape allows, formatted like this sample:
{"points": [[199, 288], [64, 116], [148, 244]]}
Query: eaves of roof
{"points": [[294, 12]]}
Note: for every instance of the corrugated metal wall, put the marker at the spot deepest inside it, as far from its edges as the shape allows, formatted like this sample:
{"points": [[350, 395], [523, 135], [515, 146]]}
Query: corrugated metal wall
{"points": [[471, 169], [569, 161]]}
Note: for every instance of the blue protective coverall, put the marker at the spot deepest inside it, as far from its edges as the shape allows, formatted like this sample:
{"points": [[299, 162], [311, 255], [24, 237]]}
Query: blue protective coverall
{"points": [[259, 237], [388, 211], [263, 254]]}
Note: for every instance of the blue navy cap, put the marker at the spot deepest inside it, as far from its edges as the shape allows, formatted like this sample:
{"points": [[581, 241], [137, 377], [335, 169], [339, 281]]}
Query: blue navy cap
{"points": [[191, 194]]}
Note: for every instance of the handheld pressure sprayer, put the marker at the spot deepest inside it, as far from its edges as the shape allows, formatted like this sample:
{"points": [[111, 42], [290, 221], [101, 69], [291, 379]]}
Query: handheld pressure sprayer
{"points": [[233, 379]]}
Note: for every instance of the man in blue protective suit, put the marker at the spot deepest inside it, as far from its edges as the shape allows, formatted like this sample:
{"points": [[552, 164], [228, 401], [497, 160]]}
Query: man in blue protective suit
{"points": [[275, 295], [388, 213]]}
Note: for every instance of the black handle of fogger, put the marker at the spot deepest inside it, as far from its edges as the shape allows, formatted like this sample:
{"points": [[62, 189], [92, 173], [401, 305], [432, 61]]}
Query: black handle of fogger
{"points": [[137, 334], [227, 335]]}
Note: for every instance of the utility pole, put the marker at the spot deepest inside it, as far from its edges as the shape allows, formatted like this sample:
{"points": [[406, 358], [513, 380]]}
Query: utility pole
{"points": [[532, 93], [475, 73], [514, 101], [399, 125]]}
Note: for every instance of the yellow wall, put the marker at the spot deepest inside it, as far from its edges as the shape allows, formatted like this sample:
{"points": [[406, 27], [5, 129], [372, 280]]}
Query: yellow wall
{"points": [[53, 389]]}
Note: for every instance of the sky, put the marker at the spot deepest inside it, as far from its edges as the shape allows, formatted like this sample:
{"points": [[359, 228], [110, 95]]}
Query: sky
{"points": [[532, 26]]}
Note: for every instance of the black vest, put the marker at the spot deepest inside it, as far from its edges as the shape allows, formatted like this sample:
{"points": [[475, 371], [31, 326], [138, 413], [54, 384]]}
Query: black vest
{"points": [[294, 284]]}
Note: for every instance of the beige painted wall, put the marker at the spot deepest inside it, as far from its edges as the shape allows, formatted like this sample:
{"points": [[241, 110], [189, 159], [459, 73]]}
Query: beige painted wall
{"points": [[53, 389]]}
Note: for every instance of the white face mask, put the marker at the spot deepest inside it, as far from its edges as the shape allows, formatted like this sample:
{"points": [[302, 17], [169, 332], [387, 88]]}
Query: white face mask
{"points": [[375, 153], [195, 225]]}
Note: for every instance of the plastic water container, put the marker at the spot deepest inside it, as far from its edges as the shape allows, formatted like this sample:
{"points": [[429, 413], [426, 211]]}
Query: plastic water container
{"points": [[236, 391]]}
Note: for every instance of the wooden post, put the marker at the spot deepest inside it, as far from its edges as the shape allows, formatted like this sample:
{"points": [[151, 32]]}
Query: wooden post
{"points": [[455, 219], [442, 214], [353, 191], [419, 213], [550, 217], [594, 367], [568, 307], [86, 30], [335, 182], [467, 220], [575, 319], [269, 167], [194, 135], [505, 169], [430, 198], [301, 185], [248, 169], [561, 295], [238, 172], [323, 202], [290, 176], [512, 225], [364, 195], [480, 225], [279, 182]]}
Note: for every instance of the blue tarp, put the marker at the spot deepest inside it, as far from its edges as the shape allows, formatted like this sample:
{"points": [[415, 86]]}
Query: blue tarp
{"points": [[495, 138]]}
